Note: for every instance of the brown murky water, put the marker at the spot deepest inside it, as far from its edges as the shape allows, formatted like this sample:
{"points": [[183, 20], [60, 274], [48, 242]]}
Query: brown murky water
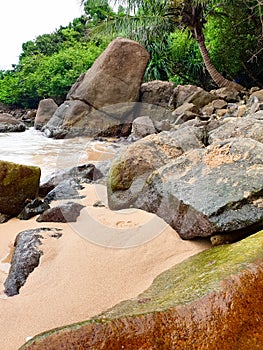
{"points": [[32, 148]]}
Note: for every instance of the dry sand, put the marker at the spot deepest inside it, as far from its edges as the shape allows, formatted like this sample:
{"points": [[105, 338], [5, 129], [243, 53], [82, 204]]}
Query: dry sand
{"points": [[84, 272]]}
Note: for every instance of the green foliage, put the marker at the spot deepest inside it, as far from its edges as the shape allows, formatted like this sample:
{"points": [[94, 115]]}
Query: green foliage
{"points": [[97, 10], [40, 76], [50, 64], [187, 66], [238, 30], [233, 32]]}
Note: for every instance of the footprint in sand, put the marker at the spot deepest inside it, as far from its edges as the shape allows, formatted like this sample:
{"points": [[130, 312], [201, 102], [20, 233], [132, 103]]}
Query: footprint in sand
{"points": [[124, 224]]}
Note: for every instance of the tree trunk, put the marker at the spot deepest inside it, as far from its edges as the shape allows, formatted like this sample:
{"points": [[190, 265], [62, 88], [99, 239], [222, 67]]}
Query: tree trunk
{"points": [[216, 76]]}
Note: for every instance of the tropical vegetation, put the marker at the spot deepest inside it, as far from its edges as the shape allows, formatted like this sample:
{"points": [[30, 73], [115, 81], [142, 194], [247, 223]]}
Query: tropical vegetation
{"points": [[207, 42]]}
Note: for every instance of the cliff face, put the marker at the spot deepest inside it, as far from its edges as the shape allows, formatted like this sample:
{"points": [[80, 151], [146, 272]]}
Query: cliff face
{"points": [[213, 300]]}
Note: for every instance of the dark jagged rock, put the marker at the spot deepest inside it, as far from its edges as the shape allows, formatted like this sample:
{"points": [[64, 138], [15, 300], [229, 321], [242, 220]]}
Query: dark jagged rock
{"points": [[66, 189], [25, 258], [33, 208], [83, 173], [212, 300], [18, 183], [208, 191], [4, 218], [68, 212]]}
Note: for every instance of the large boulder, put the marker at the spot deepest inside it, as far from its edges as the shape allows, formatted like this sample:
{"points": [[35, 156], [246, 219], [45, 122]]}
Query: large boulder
{"points": [[136, 162], [10, 124], [46, 109], [17, 184], [77, 118], [212, 300], [115, 76], [209, 191], [102, 102]]}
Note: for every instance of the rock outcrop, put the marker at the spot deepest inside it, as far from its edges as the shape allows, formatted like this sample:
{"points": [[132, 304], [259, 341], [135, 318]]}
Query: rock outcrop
{"points": [[228, 126], [100, 98], [212, 300], [18, 183], [203, 192], [10, 124]]}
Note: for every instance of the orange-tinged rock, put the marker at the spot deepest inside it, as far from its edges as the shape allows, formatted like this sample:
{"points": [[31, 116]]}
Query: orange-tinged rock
{"points": [[211, 301]]}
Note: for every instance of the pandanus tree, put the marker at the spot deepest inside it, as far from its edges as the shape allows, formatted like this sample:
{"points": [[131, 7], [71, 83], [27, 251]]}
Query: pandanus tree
{"points": [[166, 15]]}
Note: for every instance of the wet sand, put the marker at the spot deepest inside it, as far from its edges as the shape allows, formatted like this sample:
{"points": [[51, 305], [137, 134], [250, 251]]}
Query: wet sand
{"points": [[104, 258]]}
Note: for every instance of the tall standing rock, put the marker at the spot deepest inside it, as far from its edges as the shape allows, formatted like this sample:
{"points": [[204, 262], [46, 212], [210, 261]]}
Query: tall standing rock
{"points": [[115, 77], [103, 101], [17, 183]]}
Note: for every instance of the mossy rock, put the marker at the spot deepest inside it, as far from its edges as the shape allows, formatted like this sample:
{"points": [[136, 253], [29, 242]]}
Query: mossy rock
{"points": [[17, 183], [212, 300]]}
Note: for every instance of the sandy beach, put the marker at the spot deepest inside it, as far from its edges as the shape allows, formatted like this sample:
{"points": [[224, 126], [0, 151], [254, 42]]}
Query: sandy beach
{"points": [[82, 274]]}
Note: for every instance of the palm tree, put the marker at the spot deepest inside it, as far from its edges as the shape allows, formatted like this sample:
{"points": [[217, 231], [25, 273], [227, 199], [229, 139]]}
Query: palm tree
{"points": [[168, 14], [192, 15]]}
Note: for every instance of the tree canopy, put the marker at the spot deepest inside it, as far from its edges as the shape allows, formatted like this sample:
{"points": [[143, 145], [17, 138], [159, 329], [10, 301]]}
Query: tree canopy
{"points": [[185, 39]]}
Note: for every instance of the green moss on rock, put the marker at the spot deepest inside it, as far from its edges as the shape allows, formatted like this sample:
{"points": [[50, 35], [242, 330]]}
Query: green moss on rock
{"points": [[17, 183], [212, 300]]}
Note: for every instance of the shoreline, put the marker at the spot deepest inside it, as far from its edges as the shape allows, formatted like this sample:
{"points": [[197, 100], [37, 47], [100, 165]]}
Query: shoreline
{"points": [[79, 278]]}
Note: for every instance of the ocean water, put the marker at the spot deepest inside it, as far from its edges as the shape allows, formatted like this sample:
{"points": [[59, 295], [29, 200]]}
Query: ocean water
{"points": [[33, 148]]}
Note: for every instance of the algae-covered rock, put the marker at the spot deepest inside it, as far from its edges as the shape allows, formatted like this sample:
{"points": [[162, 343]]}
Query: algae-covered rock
{"points": [[17, 184], [212, 300]]}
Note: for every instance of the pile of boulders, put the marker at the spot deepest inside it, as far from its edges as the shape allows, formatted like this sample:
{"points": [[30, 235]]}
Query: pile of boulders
{"points": [[205, 175]]}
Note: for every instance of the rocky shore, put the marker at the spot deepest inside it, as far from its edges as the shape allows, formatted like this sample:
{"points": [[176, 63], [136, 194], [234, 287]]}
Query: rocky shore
{"points": [[188, 161]]}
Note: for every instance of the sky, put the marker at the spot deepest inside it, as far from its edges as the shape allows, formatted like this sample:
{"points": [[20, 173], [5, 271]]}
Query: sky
{"points": [[24, 20]]}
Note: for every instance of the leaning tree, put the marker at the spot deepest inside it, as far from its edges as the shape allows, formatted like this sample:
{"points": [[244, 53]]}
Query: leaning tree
{"points": [[150, 18]]}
